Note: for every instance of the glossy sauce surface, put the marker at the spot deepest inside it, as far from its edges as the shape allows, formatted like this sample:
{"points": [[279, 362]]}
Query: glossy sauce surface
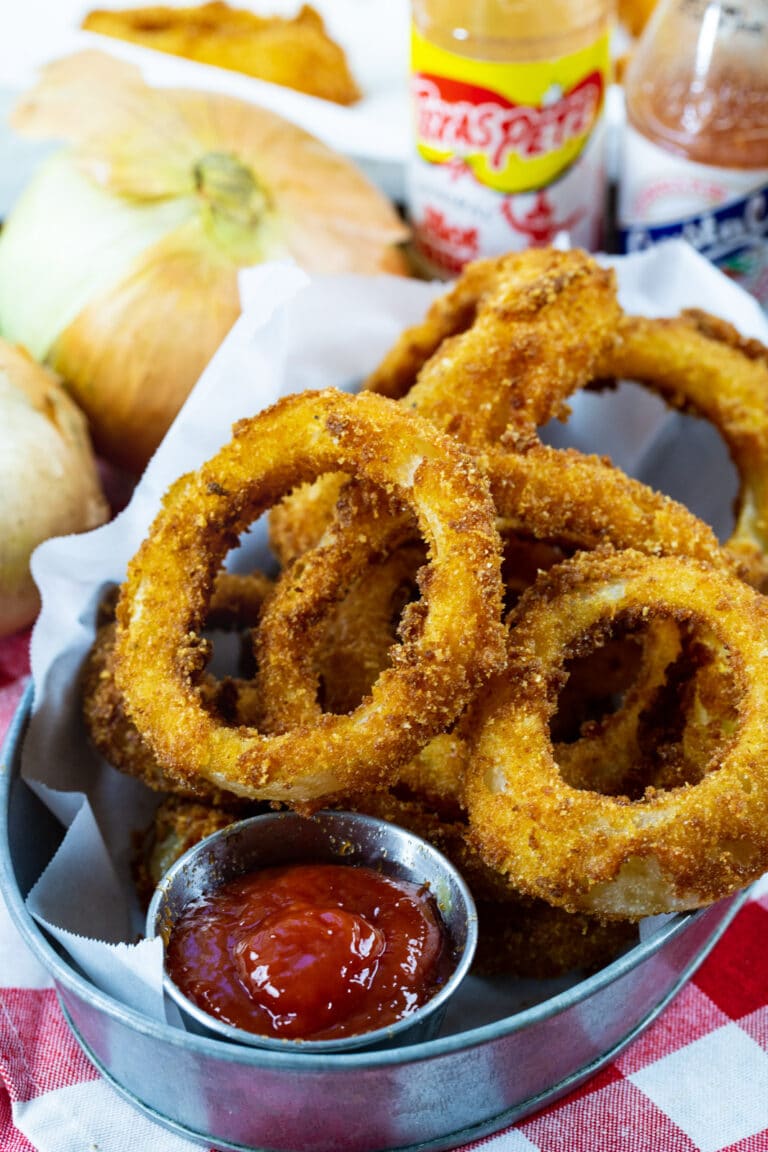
{"points": [[310, 952]]}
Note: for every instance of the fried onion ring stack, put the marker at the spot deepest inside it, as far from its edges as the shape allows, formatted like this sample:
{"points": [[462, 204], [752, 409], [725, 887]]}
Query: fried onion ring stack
{"points": [[535, 661]]}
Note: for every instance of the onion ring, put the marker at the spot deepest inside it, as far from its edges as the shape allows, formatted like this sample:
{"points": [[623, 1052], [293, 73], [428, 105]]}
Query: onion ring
{"points": [[532, 492], [513, 338], [699, 364], [363, 627], [669, 851], [158, 645], [236, 602], [562, 496], [498, 354]]}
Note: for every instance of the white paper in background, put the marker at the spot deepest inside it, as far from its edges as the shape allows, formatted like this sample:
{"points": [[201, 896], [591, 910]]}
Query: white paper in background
{"points": [[293, 334], [375, 131]]}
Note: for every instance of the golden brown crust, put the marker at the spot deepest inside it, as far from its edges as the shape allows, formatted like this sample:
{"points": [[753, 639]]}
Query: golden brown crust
{"points": [[236, 602], [498, 354], [536, 338], [158, 654], [362, 628], [531, 940], [178, 824], [298, 522], [296, 52], [564, 497], [605, 855], [699, 364]]}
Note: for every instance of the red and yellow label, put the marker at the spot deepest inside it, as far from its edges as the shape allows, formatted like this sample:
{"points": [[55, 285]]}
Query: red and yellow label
{"points": [[517, 126]]}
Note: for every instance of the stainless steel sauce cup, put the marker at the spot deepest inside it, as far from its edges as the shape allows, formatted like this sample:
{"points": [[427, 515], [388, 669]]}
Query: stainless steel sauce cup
{"points": [[347, 838]]}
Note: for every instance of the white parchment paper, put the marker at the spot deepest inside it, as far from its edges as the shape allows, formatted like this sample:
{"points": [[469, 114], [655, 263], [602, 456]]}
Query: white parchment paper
{"points": [[293, 334]]}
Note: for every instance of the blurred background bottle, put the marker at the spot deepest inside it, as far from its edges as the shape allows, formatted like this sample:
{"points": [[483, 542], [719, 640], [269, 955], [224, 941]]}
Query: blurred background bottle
{"points": [[695, 156], [508, 99]]}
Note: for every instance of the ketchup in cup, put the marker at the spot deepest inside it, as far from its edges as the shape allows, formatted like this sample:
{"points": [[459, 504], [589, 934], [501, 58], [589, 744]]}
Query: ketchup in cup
{"points": [[311, 951]]}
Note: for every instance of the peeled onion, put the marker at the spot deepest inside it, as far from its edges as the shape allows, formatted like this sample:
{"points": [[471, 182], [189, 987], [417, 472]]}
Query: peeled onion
{"points": [[119, 263], [48, 477]]}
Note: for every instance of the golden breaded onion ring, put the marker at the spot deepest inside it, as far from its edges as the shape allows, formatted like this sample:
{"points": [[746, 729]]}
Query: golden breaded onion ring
{"points": [[236, 602], [499, 353], [606, 855], [512, 339], [164, 600], [699, 364], [565, 497], [552, 495]]}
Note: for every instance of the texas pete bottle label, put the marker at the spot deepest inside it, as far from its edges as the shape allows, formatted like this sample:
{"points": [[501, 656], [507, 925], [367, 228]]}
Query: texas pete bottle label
{"points": [[507, 155], [722, 212]]}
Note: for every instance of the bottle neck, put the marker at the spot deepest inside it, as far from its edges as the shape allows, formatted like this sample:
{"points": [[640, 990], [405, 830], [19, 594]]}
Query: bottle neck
{"points": [[698, 83], [512, 30]]}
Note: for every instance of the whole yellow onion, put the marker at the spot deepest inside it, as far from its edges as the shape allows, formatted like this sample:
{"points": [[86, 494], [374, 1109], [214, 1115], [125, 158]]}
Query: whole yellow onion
{"points": [[119, 263], [48, 477]]}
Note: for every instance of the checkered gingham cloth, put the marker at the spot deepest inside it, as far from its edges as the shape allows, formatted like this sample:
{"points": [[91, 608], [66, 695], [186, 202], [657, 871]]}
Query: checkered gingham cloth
{"points": [[697, 1079]]}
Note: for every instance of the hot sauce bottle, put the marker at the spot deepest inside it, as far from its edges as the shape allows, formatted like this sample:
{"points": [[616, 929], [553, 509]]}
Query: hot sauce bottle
{"points": [[695, 160], [508, 99]]}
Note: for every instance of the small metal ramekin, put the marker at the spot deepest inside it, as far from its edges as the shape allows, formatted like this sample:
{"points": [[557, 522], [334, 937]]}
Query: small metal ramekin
{"points": [[347, 838]]}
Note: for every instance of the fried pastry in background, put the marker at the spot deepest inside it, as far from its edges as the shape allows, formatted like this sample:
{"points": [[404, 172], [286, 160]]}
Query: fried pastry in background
{"points": [[296, 53]]}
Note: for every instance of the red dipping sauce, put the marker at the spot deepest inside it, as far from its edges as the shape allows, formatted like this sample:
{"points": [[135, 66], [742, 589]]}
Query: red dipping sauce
{"points": [[310, 951]]}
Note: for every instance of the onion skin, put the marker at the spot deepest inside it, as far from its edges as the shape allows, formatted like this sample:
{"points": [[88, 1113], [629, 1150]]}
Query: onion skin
{"points": [[119, 263], [132, 356], [48, 477]]}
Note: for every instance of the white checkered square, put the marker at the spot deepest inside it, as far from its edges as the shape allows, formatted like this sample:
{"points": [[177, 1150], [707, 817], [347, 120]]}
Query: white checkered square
{"points": [[510, 1141], [714, 1089], [690, 1016]]}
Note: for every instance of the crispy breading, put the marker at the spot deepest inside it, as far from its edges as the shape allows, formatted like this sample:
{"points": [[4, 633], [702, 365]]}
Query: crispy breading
{"points": [[296, 52]]}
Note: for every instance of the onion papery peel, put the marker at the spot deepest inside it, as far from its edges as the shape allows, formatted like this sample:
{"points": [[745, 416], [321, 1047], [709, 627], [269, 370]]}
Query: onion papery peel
{"points": [[142, 223]]}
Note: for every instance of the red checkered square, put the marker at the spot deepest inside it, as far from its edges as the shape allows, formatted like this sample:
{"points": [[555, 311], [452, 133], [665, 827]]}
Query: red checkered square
{"points": [[690, 1016], [735, 975], [607, 1075], [37, 1051], [756, 1143], [14, 667], [714, 1089], [617, 1118], [11, 1140], [14, 658]]}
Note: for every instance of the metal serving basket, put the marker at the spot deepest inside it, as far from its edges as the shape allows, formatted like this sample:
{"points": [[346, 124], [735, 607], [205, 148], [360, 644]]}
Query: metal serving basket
{"points": [[433, 1095]]}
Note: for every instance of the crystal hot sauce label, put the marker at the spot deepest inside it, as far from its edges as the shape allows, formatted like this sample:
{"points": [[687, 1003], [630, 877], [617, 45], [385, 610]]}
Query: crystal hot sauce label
{"points": [[503, 156]]}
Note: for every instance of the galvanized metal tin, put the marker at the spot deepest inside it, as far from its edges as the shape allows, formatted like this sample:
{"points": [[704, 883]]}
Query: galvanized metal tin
{"points": [[431, 1096]]}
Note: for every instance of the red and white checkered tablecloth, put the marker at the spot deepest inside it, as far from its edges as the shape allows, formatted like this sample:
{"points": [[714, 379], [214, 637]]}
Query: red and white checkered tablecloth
{"points": [[696, 1081]]}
